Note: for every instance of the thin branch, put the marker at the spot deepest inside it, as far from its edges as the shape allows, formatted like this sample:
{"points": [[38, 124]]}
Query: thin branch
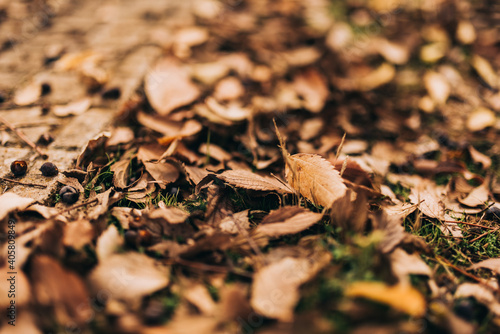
{"points": [[29, 184], [23, 137], [76, 206], [470, 224]]}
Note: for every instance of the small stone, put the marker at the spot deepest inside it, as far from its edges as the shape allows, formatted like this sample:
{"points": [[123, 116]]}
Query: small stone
{"points": [[18, 168], [49, 169]]}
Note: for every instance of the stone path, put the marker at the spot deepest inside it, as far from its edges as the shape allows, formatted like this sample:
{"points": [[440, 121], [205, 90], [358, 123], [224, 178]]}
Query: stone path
{"points": [[118, 30]]}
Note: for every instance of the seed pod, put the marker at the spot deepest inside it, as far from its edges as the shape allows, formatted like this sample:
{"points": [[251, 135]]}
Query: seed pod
{"points": [[69, 195], [49, 169], [18, 167]]}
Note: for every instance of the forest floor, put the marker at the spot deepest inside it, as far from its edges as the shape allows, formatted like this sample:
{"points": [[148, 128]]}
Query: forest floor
{"points": [[232, 166]]}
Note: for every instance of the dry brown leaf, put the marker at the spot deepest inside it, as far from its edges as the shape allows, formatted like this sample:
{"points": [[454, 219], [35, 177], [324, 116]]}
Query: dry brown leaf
{"points": [[10, 202], [392, 52], [74, 108], [287, 220], [168, 86], [437, 87], [63, 290], [477, 197], [480, 119], [479, 157], [78, 234], [401, 297], [199, 296], [481, 293], [275, 287], [232, 112], [129, 276], [119, 136], [312, 87], [485, 71], [164, 173], [229, 88], [314, 178], [491, 264], [378, 77], [403, 265], [248, 180], [108, 243], [28, 94], [171, 215]]}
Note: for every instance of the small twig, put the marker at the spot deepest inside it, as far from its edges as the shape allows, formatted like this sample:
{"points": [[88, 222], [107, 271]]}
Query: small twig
{"points": [[76, 206], [29, 184], [23, 137], [470, 224], [482, 235], [460, 270]]}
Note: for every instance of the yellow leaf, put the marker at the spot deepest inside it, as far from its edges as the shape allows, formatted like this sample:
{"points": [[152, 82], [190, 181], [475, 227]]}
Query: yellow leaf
{"points": [[401, 297]]}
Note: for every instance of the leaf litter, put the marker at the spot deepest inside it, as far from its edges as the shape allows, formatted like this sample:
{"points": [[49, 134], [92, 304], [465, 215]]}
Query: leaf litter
{"points": [[283, 165]]}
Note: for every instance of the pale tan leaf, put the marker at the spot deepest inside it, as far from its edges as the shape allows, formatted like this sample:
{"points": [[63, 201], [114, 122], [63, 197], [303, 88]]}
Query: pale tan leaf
{"points": [[437, 87], [129, 276], [248, 180], [74, 108], [10, 202], [479, 157], [378, 77], [108, 243], [401, 297], [480, 119], [312, 87], [275, 287], [23, 289], [171, 215], [491, 264], [466, 33], [477, 197], [287, 220], [28, 94], [232, 112], [314, 178], [198, 296], [485, 71], [169, 87], [403, 265], [481, 293], [229, 88]]}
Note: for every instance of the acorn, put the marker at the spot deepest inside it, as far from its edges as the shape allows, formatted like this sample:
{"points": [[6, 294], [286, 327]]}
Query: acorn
{"points": [[69, 194], [49, 169], [18, 168]]}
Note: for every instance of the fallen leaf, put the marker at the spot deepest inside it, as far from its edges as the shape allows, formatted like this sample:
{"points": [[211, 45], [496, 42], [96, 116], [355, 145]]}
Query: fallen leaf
{"points": [[491, 264], [481, 293], [401, 297], [108, 243], [28, 94], [169, 87], [53, 286], [403, 265], [314, 178], [287, 220], [485, 71], [378, 77], [228, 89], [163, 173], [480, 119], [477, 197], [78, 234], [75, 108], [479, 157], [437, 87], [248, 180], [232, 112], [312, 87], [466, 33], [10, 202], [275, 287], [200, 298], [129, 276]]}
